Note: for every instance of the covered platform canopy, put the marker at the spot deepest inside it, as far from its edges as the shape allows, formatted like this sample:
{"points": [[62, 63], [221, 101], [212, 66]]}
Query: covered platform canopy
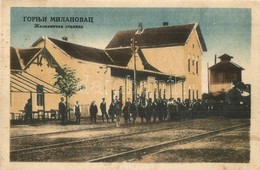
{"points": [[27, 83]]}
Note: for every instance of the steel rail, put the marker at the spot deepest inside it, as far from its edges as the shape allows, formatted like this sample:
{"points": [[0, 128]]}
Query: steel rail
{"points": [[57, 132], [88, 129], [153, 148], [89, 139]]}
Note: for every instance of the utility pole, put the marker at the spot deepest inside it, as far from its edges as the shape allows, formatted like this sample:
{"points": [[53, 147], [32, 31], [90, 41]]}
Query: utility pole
{"points": [[133, 53], [208, 75], [170, 80], [170, 86]]}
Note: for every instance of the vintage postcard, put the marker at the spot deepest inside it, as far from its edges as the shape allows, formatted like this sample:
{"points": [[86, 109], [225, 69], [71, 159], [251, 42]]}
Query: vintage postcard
{"points": [[123, 85]]}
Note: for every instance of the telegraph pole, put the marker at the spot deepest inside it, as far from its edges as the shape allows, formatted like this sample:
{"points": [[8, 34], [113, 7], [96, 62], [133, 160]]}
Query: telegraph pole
{"points": [[208, 75], [133, 53], [170, 86]]}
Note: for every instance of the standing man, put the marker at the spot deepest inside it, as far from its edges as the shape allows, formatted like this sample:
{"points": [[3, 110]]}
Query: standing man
{"points": [[62, 111], [126, 110], [149, 111], [134, 110], [28, 110], [118, 110], [112, 110], [103, 108], [93, 111], [155, 109], [77, 111]]}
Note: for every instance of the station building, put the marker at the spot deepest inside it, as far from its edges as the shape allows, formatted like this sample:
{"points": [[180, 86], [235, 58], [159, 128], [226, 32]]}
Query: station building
{"points": [[167, 61]]}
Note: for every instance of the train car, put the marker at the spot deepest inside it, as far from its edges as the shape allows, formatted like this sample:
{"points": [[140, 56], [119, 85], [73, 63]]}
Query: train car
{"points": [[237, 103]]}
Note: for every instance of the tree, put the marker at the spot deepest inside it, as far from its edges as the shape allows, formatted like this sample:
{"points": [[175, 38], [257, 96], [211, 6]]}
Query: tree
{"points": [[67, 83]]}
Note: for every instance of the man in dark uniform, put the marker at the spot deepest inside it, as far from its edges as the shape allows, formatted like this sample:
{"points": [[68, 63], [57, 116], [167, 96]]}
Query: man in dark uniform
{"points": [[93, 111], [133, 110], [118, 110], [62, 111], [28, 110], [112, 110], [149, 111], [164, 110], [155, 109], [126, 110], [171, 114], [180, 107], [160, 109], [103, 108], [77, 111]]}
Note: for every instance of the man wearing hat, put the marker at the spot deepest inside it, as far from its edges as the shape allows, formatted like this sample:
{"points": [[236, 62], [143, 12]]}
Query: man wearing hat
{"points": [[103, 109], [28, 110], [93, 111], [62, 111]]}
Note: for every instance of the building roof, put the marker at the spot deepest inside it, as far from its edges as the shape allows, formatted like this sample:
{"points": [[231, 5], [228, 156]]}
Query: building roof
{"points": [[27, 54], [14, 60], [118, 56], [21, 57], [225, 64], [83, 52], [122, 71], [118, 51], [121, 57], [225, 57], [156, 37]]}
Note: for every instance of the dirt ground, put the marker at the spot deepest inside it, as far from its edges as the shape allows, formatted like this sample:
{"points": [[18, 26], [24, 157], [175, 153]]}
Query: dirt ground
{"points": [[231, 147], [227, 147]]}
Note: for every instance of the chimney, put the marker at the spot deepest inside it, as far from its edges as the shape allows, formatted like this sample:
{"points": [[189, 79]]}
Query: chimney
{"points": [[165, 24], [215, 59], [65, 38], [140, 25]]}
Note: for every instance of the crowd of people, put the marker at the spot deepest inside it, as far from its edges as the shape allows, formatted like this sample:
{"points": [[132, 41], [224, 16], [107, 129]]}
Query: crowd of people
{"points": [[150, 111], [231, 104]]}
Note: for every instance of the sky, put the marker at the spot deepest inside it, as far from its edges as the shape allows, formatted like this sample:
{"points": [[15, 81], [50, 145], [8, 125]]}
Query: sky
{"points": [[225, 30]]}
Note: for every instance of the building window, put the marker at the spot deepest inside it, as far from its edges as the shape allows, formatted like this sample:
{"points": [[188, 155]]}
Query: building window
{"points": [[197, 94], [197, 67], [193, 96], [120, 94], [112, 95], [189, 94], [40, 97], [188, 65]]}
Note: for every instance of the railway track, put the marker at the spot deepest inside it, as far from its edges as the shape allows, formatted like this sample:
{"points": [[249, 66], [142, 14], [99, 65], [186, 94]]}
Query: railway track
{"points": [[58, 132], [112, 126], [76, 130], [128, 155], [132, 153], [26, 150], [98, 138]]}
